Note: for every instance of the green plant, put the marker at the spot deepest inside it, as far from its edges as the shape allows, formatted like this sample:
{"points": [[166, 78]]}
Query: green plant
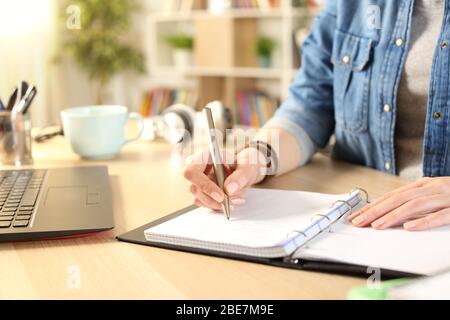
{"points": [[100, 46], [265, 46], [180, 41], [299, 3]]}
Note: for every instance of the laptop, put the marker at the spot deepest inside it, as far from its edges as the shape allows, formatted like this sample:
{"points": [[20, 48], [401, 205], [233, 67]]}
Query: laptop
{"points": [[55, 203]]}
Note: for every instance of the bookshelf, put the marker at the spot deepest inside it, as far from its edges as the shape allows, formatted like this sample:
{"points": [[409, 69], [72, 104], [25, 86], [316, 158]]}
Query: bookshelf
{"points": [[234, 72], [232, 13], [225, 62]]}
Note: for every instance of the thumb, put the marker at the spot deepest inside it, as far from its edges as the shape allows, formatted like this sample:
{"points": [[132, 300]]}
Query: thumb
{"points": [[239, 180]]}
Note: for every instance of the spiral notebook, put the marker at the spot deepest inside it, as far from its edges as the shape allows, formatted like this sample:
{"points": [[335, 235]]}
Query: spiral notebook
{"points": [[300, 230]]}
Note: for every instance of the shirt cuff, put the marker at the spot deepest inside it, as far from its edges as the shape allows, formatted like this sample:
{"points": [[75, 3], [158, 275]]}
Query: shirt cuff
{"points": [[307, 146]]}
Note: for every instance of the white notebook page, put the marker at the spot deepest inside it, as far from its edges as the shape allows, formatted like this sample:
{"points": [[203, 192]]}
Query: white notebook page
{"points": [[425, 252], [266, 221]]}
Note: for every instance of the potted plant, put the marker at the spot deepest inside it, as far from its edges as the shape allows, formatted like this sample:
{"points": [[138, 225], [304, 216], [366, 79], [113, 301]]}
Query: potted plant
{"points": [[264, 49], [99, 47], [183, 46]]}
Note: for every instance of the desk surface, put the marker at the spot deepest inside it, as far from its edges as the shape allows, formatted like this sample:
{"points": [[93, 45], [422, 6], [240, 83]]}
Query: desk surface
{"points": [[147, 184]]}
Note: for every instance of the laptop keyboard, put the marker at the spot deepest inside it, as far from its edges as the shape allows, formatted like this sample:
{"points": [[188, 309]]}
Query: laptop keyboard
{"points": [[18, 194]]}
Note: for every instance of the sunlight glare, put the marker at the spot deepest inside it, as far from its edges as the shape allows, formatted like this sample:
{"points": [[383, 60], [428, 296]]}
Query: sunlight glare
{"points": [[19, 17]]}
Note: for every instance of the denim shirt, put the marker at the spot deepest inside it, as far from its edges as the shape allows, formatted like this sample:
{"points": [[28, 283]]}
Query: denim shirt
{"points": [[351, 67]]}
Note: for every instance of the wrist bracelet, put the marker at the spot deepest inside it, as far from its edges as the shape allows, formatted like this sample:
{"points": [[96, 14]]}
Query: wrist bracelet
{"points": [[270, 154]]}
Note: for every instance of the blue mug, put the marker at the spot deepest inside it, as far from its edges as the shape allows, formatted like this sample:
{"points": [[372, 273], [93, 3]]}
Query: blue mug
{"points": [[98, 132]]}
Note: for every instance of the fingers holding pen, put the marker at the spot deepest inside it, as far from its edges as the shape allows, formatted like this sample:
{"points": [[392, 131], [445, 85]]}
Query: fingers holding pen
{"points": [[196, 173], [237, 182], [236, 202], [239, 175], [200, 173], [203, 200], [245, 175]]}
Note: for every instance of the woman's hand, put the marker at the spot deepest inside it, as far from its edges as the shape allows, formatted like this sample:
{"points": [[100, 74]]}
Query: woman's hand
{"points": [[242, 171], [422, 205]]}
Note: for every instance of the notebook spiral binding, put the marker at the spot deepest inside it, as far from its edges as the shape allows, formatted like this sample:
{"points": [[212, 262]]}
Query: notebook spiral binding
{"points": [[363, 194]]}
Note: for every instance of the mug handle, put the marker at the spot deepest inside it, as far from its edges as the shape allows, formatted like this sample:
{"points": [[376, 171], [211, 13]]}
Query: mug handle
{"points": [[138, 117]]}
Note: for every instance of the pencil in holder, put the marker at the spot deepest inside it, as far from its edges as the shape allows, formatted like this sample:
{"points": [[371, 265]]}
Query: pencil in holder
{"points": [[15, 139]]}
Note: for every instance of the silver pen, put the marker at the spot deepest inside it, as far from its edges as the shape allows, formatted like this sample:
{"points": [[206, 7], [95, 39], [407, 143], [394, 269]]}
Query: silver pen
{"points": [[217, 160]]}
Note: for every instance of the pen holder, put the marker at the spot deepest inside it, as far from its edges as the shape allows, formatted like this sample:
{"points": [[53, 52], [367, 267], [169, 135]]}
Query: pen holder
{"points": [[15, 139]]}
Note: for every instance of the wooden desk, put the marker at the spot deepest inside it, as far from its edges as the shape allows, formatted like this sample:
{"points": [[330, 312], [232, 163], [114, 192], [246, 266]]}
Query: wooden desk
{"points": [[147, 185]]}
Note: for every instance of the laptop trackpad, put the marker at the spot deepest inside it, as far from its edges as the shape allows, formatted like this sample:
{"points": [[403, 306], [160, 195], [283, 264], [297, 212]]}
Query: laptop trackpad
{"points": [[67, 197]]}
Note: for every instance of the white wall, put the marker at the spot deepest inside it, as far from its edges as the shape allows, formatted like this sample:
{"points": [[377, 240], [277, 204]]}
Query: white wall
{"points": [[26, 33], [27, 53]]}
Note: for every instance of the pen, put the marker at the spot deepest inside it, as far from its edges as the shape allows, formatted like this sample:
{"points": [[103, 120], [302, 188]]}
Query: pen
{"points": [[12, 100], [2, 106], [217, 160], [22, 89], [25, 102], [29, 99]]}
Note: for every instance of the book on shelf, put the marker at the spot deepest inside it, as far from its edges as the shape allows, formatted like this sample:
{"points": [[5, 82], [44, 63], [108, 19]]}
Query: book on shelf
{"points": [[310, 4], [315, 4], [256, 4], [221, 5], [187, 6], [157, 100], [254, 108], [183, 6]]}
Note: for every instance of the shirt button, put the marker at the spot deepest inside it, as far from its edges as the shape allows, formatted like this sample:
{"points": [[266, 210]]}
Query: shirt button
{"points": [[387, 108], [399, 42], [346, 59], [387, 166], [444, 45], [437, 116]]}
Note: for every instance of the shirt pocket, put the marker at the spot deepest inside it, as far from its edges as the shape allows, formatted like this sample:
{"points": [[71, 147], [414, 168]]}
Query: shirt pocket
{"points": [[352, 74]]}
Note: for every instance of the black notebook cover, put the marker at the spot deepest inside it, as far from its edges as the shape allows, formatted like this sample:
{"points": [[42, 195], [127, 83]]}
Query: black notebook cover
{"points": [[137, 236]]}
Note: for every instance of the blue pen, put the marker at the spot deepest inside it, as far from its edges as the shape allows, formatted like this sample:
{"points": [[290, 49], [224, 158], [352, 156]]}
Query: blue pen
{"points": [[2, 106]]}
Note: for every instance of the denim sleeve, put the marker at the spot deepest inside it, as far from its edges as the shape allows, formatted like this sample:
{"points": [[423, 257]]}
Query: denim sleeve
{"points": [[310, 101]]}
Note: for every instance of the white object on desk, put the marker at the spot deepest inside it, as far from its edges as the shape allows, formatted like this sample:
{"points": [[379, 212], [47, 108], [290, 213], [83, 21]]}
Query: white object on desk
{"points": [[432, 288]]}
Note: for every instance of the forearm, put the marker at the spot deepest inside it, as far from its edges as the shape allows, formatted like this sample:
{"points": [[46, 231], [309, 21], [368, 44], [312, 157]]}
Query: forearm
{"points": [[291, 144]]}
